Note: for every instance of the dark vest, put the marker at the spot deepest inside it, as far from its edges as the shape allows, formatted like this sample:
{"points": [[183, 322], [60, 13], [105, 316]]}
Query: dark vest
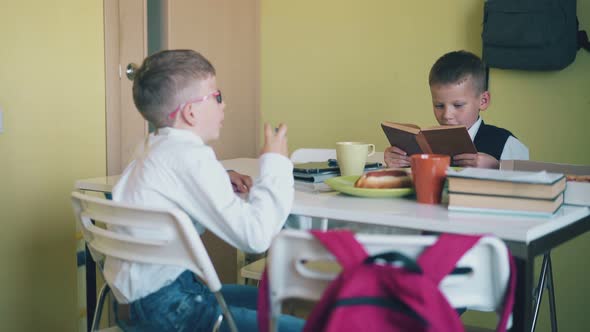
{"points": [[491, 140]]}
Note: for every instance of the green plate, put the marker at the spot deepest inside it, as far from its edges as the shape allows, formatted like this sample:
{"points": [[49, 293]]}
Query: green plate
{"points": [[345, 185]]}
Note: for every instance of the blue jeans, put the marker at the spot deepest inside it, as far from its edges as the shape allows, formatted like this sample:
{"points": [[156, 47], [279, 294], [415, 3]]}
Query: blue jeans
{"points": [[188, 305]]}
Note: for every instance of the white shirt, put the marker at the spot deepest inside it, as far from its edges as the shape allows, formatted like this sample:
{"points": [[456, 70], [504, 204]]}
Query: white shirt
{"points": [[513, 149], [177, 170]]}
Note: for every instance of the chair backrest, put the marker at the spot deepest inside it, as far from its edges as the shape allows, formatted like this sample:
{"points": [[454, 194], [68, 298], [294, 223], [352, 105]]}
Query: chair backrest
{"points": [[294, 252], [173, 239], [306, 155]]}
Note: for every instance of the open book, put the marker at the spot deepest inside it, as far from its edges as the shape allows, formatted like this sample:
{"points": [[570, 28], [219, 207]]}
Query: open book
{"points": [[447, 140]]}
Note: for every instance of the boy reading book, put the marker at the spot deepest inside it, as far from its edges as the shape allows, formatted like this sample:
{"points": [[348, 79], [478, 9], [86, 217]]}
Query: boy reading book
{"points": [[458, 88]]}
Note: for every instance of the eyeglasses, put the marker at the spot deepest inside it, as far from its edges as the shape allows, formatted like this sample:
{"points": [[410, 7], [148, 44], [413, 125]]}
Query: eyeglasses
{"points": [[216, 94]]}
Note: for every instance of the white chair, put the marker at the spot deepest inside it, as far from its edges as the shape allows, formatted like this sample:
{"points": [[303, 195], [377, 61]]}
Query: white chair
{"points": [[294, 253], [311, 155], [177, 243], [305, 155]]}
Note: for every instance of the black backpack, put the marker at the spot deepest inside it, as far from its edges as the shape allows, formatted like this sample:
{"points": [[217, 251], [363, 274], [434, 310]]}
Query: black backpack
{"points": [[531, 34]]}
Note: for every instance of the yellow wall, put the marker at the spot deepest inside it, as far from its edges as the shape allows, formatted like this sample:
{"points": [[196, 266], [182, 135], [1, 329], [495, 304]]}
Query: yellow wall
{"points": [[330, 69], [334, 69], [52, 93]]}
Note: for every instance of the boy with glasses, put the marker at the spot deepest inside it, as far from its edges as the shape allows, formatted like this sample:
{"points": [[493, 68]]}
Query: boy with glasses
{"points": [[176, 91], [458, 87]]}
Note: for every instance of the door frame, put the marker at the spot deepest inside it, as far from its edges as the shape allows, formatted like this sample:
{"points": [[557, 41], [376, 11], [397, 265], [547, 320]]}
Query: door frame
{"points": [[124, 125]]}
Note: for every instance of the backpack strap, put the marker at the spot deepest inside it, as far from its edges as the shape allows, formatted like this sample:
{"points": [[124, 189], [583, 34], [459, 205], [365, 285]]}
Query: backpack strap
{"points": [[583, 41], [263, 304], [343, 246], [438, 260]]}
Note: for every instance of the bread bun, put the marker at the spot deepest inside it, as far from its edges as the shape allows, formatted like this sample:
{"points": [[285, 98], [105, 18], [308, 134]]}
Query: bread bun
{"points": [[384, 179], [578, 178]]}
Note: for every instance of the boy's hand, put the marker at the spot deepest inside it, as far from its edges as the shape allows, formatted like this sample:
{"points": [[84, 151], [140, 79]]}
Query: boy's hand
{"points": [[275, 142], [240, 182], [480, 160], [396, 157]]}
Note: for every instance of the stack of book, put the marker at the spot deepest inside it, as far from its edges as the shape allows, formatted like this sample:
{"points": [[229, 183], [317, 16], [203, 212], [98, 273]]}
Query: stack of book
{"points": [[311, 176], [500, 191]]}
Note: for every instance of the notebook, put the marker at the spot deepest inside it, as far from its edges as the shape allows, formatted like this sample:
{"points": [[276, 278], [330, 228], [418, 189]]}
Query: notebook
{"points": [[327, 167]]}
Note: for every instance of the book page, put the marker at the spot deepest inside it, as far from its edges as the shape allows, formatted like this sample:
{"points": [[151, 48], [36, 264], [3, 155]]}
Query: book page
{"points": [[542, 177]]}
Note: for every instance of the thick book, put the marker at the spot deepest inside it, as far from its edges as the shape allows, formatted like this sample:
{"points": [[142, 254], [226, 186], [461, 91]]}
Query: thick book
{"points": [[447, 140], [577, 192], [539, 185], [504, 205]]}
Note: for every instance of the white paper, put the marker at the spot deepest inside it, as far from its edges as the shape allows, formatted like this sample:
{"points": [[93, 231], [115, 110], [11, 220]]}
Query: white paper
{"points": [[505, 175]]}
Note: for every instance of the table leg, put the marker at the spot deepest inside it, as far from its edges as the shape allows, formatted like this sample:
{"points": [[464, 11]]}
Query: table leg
{"points": [[545, 281], [324, 224], [304, 222], [523, 308], [539, 290], [551, 290], [91, 283], [90, 288]]}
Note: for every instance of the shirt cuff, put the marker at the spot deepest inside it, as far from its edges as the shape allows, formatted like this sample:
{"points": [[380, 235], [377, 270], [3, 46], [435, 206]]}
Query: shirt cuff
{"points": [[276, 164]]}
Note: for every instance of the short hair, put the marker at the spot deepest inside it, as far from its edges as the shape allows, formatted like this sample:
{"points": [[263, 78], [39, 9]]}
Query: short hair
{"points": [[457, 66], [160, 83]]}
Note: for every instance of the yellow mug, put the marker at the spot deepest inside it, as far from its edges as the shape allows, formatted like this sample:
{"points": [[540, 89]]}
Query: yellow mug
{"points": [[352, 157]]}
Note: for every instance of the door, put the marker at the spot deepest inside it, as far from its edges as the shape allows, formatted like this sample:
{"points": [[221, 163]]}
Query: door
{"points": [[227, 33], [224, 31]]}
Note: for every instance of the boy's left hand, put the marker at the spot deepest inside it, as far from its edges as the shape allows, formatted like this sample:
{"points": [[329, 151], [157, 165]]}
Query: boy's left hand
{"points": [[240, 182], [480, 160]]}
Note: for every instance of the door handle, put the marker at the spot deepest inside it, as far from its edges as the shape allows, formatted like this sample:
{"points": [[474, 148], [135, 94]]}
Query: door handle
{"points": [[131, 70]]}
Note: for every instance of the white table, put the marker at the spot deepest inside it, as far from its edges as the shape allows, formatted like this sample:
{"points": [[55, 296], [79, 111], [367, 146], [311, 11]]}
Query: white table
{"points": [[103, 184], [527, 237]]}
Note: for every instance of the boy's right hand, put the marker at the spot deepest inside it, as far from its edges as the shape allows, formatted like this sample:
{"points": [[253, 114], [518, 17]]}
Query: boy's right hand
{"points": [[396, 157], [275, 142]]}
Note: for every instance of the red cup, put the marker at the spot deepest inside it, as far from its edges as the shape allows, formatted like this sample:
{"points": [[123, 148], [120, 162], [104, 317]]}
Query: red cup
{"points": [[429, 172]]}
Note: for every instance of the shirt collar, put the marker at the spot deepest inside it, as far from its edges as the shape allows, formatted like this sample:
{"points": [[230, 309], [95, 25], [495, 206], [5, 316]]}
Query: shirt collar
{"points": [[474, 128], [179, 133]]}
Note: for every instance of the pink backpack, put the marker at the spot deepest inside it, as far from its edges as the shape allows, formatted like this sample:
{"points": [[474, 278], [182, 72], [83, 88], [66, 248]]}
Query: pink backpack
{"points": [[388, 297]]}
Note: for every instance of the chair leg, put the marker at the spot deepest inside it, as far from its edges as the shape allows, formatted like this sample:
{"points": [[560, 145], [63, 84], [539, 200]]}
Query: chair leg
{"points": [[218, 322], [275, 311], [225, 309], [540, 288], [324, 224], [104, 291]]}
